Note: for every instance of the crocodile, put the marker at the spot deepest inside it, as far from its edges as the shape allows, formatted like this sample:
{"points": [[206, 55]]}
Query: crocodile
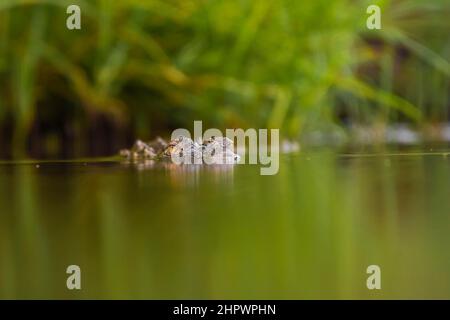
{"points": [[215, 150]]}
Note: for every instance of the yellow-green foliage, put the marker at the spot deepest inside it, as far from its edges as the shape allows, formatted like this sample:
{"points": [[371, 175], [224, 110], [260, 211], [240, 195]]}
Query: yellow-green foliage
{"points": [[275, 63]]}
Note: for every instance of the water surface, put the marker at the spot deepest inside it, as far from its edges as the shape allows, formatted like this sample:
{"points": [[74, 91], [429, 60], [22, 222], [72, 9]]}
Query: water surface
{"points": [[156, 232]]}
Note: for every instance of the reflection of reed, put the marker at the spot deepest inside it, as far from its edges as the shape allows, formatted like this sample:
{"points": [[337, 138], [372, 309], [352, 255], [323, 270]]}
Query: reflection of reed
{"points": [[308, 232]]}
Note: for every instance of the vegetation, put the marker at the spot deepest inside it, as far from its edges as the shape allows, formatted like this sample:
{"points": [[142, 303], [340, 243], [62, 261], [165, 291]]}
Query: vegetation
{"points": [[139, 68]]}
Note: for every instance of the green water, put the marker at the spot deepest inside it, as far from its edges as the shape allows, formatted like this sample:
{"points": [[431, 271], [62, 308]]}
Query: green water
{"points": [[226, 232]]}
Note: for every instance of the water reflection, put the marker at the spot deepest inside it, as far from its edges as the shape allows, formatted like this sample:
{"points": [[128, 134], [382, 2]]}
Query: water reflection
{"points": [[164, 231], [186, 175]]}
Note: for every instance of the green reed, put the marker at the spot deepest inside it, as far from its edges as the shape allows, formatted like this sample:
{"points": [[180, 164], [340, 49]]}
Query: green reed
{"points": [[155, 65]]}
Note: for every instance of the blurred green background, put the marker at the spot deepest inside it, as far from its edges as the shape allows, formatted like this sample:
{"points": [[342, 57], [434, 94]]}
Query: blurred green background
{"points": [[141, 68]]}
